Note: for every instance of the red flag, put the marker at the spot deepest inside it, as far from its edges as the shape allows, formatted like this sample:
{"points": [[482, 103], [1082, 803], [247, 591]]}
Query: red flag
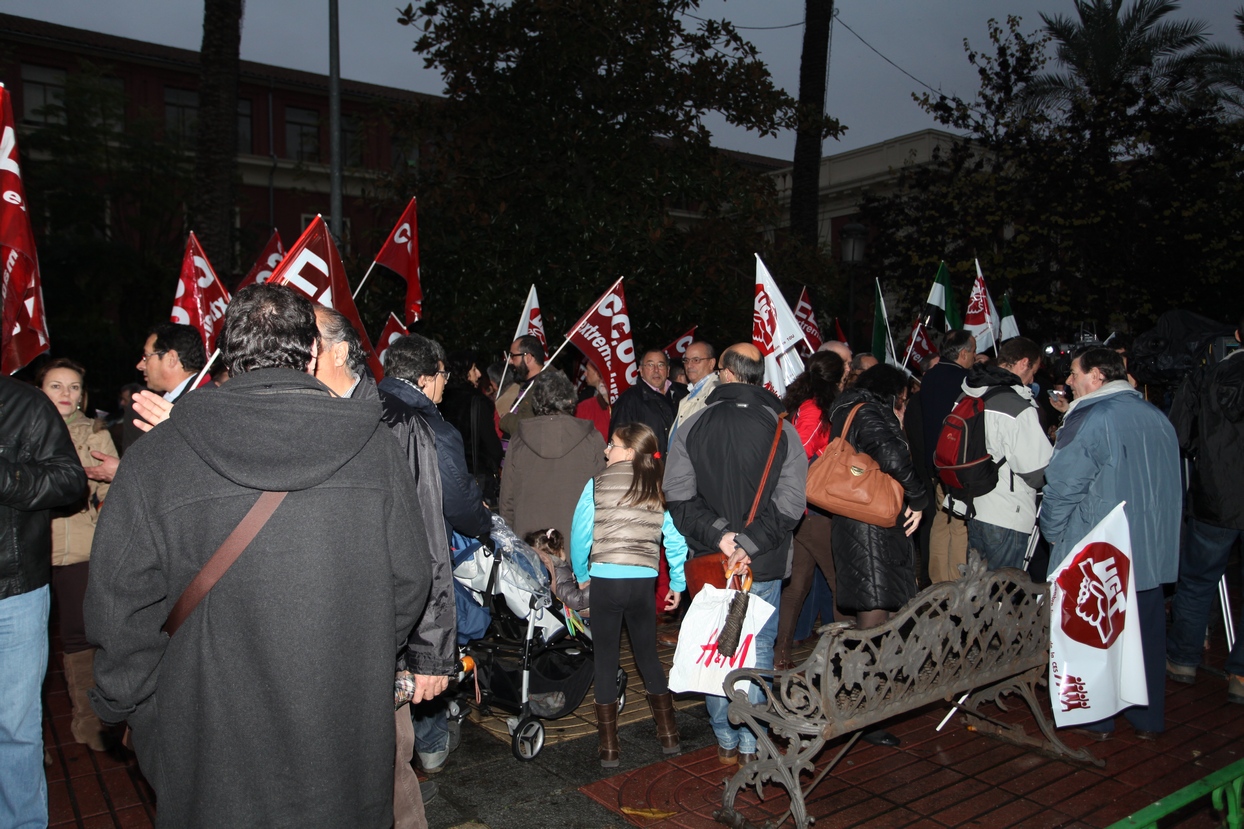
{"points": [[393, 329], [603, 334], [678, 347], [807, 320], [400, 253], [24, 327], [201, 300], [271, 256], [919, 346], [842, 338], [313, 268]]}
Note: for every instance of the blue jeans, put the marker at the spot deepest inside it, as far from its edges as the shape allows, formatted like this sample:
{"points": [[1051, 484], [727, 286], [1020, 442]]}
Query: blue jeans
{"points": [[431, 720], [23, 662], [1203, 564], [735, 736], [1000, 547]]}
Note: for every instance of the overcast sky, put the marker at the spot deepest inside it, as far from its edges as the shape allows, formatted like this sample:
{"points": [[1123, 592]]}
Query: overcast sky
{"points": [[867, 94]]}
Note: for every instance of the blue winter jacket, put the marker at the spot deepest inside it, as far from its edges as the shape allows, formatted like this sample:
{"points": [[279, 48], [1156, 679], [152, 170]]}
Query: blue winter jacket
{"points": [[1115, 446]]}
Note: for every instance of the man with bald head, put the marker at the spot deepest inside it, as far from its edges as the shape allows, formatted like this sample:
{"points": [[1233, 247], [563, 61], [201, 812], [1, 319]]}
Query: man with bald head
{"points": [[715, 467]]}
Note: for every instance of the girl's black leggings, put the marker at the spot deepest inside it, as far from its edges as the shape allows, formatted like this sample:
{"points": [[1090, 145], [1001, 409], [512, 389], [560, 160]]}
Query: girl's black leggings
{"points": [[632, 600]]}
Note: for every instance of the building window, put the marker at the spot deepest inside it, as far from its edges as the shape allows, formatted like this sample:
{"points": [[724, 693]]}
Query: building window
{"points": [[351, 141], [43, 95], [181, 114], [302, 134], [244, 126]]}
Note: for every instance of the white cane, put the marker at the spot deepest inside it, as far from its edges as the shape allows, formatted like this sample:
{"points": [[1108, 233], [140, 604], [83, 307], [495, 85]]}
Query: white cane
{"points": [[1227, 621], [1032, 539]]}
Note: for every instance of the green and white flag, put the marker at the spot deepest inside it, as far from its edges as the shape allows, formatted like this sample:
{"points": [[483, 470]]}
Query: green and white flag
{"points": [[883, 343], [1008, 327], [941, 311]]}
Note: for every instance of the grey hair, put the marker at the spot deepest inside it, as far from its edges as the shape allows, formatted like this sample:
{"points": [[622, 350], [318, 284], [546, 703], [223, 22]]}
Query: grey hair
{"points": [[335, 328], [552, 393], [954, 344]]}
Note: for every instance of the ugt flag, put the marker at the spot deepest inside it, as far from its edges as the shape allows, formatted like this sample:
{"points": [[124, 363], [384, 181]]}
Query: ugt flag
{"points": [[393, 329], [776, 332], [678, 347], [603, 334], [201, 299], [313, 268], [982, 318], [531, 323], [807, 320], [24, 325], [1097, 667], [400, 254], [269, 258]]}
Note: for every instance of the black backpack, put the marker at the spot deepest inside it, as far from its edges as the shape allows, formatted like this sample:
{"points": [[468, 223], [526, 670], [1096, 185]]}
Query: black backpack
{"points": [[966, 470]]}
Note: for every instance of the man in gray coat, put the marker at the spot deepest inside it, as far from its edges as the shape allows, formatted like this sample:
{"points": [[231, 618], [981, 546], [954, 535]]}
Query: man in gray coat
{"points": [[273, 702]]}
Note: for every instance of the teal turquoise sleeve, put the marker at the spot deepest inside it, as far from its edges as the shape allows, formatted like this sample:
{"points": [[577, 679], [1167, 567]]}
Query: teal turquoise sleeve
{"points": [[675, 553], [581, 531]]}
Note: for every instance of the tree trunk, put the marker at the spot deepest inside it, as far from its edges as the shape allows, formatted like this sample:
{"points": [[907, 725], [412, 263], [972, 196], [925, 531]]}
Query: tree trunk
{"points": [[805, 180], [216, 160]]}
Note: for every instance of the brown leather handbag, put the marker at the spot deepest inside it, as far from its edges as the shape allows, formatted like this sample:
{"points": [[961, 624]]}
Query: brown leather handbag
{"points": [[845, 482]]}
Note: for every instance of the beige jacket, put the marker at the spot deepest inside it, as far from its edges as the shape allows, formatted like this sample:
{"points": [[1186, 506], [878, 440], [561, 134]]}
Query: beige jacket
{"points": [[73, 533]]}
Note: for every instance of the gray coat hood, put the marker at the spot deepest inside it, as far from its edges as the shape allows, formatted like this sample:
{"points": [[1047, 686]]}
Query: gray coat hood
{"points": [[555, 436]]}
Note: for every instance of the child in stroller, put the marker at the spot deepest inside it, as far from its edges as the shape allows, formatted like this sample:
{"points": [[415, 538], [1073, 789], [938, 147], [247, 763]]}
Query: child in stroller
{"points": [[550, 546]]}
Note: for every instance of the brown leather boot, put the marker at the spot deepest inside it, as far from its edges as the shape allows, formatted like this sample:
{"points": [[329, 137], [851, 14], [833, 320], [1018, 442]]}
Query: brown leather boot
{"points": [[607, 728], [80, 678], [662, 706]]}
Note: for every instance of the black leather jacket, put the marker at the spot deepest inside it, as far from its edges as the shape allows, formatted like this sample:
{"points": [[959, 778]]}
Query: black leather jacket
{"points": [[39, 470]]}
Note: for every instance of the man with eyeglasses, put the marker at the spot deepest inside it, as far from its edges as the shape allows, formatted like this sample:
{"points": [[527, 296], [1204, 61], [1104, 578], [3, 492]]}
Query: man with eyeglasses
{"points": [[701, 362], [526, 359], [652, 401]]}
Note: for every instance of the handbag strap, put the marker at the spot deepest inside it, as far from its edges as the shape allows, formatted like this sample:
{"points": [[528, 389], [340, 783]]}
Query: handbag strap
{"points": [[241, 537], [777, 436], [846, 427]]}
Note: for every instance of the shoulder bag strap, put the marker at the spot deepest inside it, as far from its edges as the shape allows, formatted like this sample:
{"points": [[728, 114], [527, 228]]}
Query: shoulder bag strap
{"points": [[777, 436], [241, 537]]}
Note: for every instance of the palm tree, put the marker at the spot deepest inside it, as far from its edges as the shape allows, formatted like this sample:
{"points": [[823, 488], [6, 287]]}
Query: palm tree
{"points": [[1224, 69], [1109, 53]]}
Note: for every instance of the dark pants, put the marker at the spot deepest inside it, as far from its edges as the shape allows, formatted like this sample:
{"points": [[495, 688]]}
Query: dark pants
{"points": [[1151, 717], [632, 600], [1203, 564], [69, 588], [812, 550]]}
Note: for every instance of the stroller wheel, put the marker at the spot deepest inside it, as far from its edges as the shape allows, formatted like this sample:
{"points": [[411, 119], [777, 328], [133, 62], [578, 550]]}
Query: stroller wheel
{"points": [[621, 690], [528, 738]]}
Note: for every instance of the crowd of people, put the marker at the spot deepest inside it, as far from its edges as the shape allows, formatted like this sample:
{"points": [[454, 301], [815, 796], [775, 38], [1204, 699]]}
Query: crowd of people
{"points": [[258, 572]]}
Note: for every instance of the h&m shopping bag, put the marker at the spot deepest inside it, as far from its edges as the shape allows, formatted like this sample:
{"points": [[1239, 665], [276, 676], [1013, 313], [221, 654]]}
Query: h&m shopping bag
{"points": [[697, 664]]}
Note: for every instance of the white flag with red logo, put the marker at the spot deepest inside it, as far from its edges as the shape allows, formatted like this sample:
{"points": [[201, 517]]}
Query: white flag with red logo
{"points": [[776, 332], [24, 327], [807, 320], [393, 329], [919, 346], [603, 334], [531, 323], [678, 348], [400, 254], [982, 318], [313, 268], [1097, 667], [201, 299], [272, 254]]}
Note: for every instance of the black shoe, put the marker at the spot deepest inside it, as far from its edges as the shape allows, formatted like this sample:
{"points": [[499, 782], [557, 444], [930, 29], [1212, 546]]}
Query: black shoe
{"points": [[427, 790], [881, 738]]}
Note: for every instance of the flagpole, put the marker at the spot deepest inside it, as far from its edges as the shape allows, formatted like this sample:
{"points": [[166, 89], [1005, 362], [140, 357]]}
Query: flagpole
{"points": [[911, 346], [199, 379], [547, 363], [884, 316], [364, 282]]}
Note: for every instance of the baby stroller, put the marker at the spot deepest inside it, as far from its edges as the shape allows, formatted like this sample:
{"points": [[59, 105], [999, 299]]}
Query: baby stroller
{"points": [[534, 657]]}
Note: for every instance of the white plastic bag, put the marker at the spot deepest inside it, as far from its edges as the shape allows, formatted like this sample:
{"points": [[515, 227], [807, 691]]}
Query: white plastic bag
{"points": [[697, 664]]}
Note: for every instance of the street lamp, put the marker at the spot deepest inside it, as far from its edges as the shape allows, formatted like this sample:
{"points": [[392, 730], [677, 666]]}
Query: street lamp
{"points": [[853, 235]]}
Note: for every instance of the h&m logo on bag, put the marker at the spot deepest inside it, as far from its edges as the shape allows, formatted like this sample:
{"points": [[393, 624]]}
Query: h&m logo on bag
{"points": [[710, 658]]}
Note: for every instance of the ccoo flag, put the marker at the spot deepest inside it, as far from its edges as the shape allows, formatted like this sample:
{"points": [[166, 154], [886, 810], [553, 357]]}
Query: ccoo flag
{"points": [[201, 299], [269, 258], [393, 329], [603, 334], [919, 346], [313, 268], [24, 325], [400, 254], [807, 320], [531, 323], [678, 348], [1097, 667], [776, 332]]}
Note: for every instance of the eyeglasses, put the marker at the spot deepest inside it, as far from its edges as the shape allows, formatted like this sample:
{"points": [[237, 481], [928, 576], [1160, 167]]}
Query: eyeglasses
{"points": [[518, 356], [444, 374], [147, 356], [655, 365], [698, 360], [612, 445]]}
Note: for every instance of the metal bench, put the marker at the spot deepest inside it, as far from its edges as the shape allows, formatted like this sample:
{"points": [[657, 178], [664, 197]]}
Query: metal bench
{"points": [[974, 640]]}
